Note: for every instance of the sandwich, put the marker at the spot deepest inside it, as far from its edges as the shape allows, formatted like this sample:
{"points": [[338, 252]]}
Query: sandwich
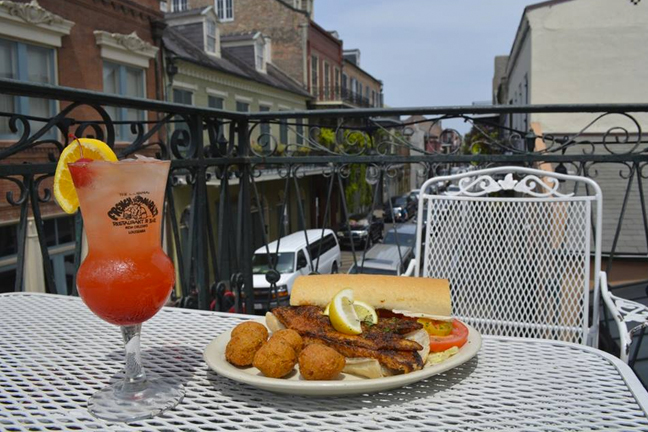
{"points": [[409, 311]]}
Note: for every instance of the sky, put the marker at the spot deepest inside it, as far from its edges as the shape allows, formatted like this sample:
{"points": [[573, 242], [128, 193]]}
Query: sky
{"points": [[427, 52]]}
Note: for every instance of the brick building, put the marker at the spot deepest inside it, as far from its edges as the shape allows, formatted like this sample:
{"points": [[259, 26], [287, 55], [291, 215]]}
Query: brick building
{"points": [[111, 46], [303, 49], [286, 22]]}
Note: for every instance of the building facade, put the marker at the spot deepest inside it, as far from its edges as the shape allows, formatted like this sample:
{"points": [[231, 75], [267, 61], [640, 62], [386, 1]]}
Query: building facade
{"points": [[585, 51]]}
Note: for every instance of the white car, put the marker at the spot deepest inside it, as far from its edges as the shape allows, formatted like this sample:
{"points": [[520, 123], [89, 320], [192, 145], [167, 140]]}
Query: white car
{"points": [[294, 258]]}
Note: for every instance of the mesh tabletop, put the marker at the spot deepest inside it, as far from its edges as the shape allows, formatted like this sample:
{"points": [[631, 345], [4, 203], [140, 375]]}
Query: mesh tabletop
{"points": [[54, 354]]}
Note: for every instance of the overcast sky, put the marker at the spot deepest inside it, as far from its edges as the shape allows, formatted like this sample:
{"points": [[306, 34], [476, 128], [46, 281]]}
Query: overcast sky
{"points": [[426, 52]]}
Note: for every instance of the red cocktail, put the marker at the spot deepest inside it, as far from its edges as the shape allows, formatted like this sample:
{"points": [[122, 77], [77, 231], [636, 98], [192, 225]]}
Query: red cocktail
{"points": [[126, 277]]}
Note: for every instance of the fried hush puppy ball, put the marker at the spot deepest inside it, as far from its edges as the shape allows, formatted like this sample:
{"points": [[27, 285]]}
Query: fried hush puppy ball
{"points": [[241, 349], [319, 362], [252, 328], [246, 340], [275, 359], [291, 337]]}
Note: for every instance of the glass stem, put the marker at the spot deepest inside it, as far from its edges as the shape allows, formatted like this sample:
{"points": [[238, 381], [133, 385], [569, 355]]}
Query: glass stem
{"points": [[134, 375]]}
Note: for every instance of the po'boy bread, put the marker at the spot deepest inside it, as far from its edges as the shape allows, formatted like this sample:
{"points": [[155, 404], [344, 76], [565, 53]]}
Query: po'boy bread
{"points": [[425, 297]]}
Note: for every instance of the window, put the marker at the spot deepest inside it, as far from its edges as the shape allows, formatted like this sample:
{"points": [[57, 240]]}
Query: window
{"points": [[345, 78], [225, 9], [242, 106], [300, 131], [259, 48], [126, 81], [26, 63], [283, 131], [210, 45], [314, 76], [182, 97], [373, 98], [215, 102], [178, 5], [264, 130], [367, 93], [327, 79], [337, 82]]}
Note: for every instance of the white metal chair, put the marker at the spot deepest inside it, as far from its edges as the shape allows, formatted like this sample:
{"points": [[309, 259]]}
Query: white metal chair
{"points": [[520, 264]]}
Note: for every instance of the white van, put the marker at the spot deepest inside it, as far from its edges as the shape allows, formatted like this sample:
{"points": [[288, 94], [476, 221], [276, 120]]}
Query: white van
{"points": [[293, 259]]}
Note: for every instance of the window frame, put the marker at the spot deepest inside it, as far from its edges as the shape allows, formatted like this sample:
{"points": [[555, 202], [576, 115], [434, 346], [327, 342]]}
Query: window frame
{"points": [[211, 98], [122, 130], [211, 36], [21, 104], [314, 72], [222, 9], [178, 5], [327, 79]]}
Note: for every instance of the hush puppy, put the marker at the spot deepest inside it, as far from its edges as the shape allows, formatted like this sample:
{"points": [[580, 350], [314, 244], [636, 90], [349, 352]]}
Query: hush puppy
{"points": [[319, 362], [291, 337], [275, 359], [251, 328], [241, 349]]}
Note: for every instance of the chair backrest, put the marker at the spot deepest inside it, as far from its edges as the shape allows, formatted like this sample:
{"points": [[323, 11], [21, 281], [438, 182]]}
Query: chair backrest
{"points": [[516, 250]]}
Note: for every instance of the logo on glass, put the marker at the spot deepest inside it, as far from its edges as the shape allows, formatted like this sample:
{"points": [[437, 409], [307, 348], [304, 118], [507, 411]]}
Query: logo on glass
{"points": [[133, 213]]}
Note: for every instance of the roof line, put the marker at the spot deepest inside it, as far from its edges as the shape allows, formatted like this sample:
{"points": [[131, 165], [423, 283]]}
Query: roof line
{"points": [[323, 30], [527, 9], [362, 70]]}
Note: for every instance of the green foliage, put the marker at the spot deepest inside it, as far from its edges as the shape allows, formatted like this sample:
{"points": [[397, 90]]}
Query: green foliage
{"points": [[358, 193], [479, 141]]}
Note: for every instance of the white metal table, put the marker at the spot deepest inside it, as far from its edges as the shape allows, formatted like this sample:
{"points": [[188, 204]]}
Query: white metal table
{"points": [[54, 354]]}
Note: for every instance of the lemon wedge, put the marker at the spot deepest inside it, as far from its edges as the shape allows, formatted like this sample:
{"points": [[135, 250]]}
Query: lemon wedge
{"points": [[365, 312], [343, 315], [327, 309], [64, 190]]}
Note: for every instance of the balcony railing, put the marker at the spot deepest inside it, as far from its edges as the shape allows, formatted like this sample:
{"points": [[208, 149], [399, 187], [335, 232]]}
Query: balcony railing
{"points": [[345, 95], [228, 197]]}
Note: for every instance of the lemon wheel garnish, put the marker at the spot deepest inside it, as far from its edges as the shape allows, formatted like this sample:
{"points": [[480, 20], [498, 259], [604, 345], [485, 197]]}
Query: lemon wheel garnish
{"points": [[64, 190], [365, 312], [343, 315]]}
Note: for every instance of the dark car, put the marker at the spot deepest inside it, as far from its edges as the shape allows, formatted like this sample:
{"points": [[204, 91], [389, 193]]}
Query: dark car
{"points": [[401, 209], [362, 228]]}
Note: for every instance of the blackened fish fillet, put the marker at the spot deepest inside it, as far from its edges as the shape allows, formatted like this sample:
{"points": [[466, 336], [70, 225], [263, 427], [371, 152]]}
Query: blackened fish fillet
{"points": [[401, 361], [382, 342]]}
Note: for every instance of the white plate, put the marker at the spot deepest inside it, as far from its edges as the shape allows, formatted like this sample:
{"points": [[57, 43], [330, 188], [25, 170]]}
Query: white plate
{"points": [[347, 384]]}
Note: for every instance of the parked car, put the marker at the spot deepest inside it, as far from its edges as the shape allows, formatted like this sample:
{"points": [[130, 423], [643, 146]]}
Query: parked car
{"points": [[362, 228], [400, 209], [384, 259], [402, 235], [294, 258]]}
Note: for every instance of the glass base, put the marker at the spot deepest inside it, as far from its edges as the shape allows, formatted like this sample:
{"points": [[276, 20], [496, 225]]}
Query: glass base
{"points": [[150, 398]]}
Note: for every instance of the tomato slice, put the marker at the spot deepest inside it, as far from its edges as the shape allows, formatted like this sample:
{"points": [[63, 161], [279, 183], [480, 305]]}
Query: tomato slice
{"points": [[457, 338]]}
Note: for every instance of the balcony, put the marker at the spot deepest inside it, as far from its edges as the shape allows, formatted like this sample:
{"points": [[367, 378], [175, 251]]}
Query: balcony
{"points": [[228, 197], [335, 95]]}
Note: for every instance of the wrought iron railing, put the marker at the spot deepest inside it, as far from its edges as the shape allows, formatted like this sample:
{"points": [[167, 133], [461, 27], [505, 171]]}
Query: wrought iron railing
{"points": [[345, 95], [237, 184]]}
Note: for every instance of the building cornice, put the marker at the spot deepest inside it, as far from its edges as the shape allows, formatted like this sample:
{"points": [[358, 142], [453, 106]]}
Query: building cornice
{"points": [[32, 23], [125, 48], [192, 72]]}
